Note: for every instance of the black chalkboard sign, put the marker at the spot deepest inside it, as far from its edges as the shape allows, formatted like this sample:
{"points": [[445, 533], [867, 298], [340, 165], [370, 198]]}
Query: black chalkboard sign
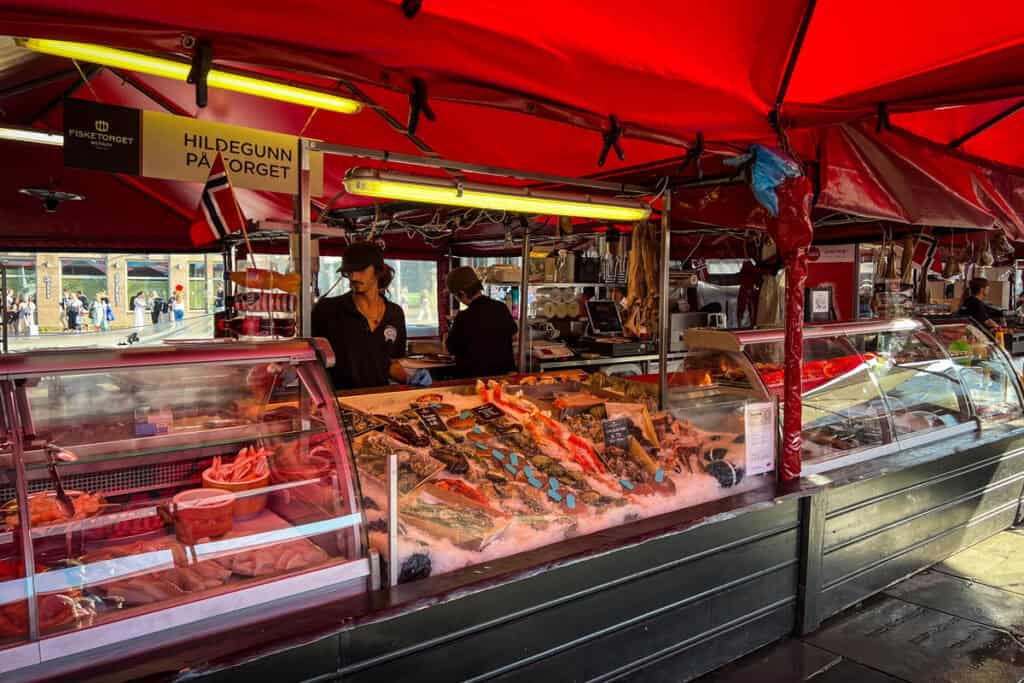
{"points": [[431, 420], [616, 432], [488, 412], [357, 423]]}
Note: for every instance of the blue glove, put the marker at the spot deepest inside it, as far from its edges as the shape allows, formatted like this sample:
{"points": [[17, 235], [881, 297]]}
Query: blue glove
{"points": [[421, 378]]}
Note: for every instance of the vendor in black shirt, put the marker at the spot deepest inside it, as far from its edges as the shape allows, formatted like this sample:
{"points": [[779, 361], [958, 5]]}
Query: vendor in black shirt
{"points": [[481, 336], [975, 307], [366, 331]]}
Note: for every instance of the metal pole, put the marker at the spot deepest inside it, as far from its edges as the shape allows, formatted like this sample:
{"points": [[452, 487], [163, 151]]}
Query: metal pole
{"points": [[21, 489], [450, 164], [524, 297], [304, 243], [3, 286], [665, 324]]}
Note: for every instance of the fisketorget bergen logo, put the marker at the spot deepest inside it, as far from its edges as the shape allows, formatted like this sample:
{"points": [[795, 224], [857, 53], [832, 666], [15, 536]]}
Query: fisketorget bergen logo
{"points": [[102, 126]]}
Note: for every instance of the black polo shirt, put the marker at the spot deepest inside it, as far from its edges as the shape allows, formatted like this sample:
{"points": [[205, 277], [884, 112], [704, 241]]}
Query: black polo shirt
{"points": [[362, 357], [977, 309], [481, 339]]}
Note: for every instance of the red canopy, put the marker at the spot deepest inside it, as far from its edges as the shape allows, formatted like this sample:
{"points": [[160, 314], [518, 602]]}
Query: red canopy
{"points": [[533, 84]]}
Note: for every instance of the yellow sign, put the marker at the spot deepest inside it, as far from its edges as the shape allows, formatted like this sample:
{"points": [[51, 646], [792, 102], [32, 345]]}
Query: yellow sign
{"points": [[182, 148]]}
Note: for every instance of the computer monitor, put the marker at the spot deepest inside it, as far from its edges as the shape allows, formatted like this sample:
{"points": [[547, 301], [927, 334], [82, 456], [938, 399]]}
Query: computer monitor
{"points": [[604, 317]]}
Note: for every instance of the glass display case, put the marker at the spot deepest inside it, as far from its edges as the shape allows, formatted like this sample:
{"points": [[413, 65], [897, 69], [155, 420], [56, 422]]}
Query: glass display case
{"points": [[150, 488], [483, 471], [874, 387]]}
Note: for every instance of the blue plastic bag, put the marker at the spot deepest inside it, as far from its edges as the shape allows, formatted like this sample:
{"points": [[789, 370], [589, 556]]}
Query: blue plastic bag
{"points": [[768, 170]]}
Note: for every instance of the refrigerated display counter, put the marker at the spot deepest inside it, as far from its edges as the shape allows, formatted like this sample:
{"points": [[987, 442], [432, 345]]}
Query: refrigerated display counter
{"points": [[146, 489], [536, 528], [490, 469], [875, 388]]}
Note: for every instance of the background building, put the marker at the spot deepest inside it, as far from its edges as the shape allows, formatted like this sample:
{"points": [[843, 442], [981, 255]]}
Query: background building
{"points": [[45, 276]]}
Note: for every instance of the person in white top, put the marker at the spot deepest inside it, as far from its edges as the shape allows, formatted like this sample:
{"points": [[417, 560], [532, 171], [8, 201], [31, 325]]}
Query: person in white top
{"points": [[139, 307], [179, 309]]}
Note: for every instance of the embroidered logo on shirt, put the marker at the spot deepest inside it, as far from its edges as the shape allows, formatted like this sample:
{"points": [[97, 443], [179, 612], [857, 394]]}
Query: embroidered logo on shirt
{"points": [[390, 333]]}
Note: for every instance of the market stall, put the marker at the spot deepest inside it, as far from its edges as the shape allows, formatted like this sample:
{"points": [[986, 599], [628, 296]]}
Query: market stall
{"points": [[522, 541]]}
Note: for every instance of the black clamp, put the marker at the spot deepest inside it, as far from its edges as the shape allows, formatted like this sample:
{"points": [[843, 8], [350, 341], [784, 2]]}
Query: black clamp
{"points": [[611, 141], [202, 60], [418, 104], [883, 118], [693, 156], [410, 8]]}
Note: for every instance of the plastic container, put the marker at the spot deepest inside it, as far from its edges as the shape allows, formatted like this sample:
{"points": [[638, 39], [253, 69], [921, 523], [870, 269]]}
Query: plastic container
{"points": [[245, 506], [202, 513]]}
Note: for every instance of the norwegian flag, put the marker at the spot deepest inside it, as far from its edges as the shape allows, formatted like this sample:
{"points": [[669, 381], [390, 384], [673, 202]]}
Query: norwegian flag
{"points": [[218, 214]]}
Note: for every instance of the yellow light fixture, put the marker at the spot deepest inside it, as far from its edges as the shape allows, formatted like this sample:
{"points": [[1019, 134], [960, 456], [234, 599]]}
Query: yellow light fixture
{"points": [[169, 68], [40, 137], [385, 185]]}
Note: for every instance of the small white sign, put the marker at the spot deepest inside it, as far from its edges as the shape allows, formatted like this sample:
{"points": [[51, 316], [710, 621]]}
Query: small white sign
{"points": [[819, 301], [759, 420]]}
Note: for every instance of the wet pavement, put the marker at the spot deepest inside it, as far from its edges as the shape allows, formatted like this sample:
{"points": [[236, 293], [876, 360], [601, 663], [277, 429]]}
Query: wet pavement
{"points": [[962, 621]]}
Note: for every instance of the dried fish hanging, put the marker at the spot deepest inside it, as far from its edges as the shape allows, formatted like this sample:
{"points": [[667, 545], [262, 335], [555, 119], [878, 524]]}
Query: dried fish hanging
{"points": [[641, 319], [907, 262]]}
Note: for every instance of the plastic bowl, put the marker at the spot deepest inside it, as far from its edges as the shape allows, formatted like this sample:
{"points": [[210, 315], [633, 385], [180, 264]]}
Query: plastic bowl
{"points": [[202, 513], [245, 505]]}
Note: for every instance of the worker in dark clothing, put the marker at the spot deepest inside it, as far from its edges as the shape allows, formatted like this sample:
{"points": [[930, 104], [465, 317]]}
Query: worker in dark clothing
{"points": [[975, 307], [481, 336], [365, 330]]}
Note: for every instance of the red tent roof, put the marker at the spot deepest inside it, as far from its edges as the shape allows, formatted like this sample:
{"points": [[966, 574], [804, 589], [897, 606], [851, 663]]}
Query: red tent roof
{"points": [[532, 84]]}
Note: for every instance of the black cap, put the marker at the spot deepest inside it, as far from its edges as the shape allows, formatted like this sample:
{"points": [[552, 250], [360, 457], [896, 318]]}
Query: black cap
{"points": [[361, 255]]}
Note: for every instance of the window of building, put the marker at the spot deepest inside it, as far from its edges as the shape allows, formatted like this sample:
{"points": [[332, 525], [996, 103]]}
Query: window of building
{"points": [[21, 274], [85, 275], [198, 298], [149, 276]]}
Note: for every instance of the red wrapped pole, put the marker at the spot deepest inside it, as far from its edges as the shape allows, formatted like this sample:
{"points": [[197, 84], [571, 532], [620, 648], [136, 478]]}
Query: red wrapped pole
{"points": [[792, 416], [792, 231]]}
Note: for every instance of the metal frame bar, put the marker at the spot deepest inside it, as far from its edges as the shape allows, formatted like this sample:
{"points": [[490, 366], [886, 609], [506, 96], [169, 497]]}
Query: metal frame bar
{"points": [[524, 298], [41, 82], [395, 124], [89, 72], [302, 243], [794, 55], [21, 486], [450, 164], [665, 324], [977, 130], [3, 291]]}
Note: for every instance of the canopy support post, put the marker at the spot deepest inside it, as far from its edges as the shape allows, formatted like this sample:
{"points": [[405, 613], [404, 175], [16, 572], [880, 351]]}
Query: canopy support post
{"points": [[665, 324], [524, 297], [302, 243], [793, 359]]}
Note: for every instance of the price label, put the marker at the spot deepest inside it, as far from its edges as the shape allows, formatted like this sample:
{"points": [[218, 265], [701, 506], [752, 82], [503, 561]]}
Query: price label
{"points": [[488, 412], [759, 421], [616, 432], [431, 420]]}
